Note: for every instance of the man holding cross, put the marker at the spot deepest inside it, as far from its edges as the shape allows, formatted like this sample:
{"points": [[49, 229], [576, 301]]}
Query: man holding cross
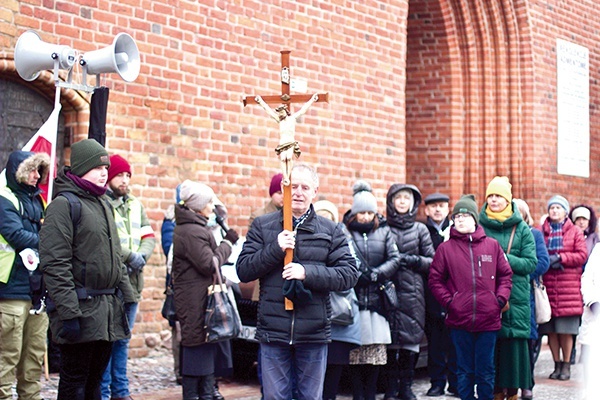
{"points": [[294, 342]]}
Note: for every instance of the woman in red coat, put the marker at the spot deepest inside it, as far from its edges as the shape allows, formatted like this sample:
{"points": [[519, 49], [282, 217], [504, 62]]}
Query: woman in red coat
{"points": [[568, 253]]}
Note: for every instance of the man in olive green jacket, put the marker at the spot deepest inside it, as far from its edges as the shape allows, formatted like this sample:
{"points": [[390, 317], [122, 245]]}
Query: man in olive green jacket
{"points": [[87, 282]]}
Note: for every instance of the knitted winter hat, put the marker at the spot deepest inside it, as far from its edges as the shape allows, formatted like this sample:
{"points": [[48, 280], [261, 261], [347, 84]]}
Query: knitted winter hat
{"points": [[326, 205], [117, 165], [275, 184], [87, 155], [500, 186], [363, 198], [467, 204], [195, 195], [561, 201]]}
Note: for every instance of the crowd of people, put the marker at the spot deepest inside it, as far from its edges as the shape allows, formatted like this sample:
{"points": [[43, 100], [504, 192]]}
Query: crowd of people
{"points": [[461, 277]]}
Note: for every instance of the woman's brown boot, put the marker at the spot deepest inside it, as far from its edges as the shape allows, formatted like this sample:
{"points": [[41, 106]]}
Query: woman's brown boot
{"points": [[557, 369]]}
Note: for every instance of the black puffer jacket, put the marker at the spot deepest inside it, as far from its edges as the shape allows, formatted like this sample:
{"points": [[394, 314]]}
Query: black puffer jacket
{"points": [[322, 249], [378, 248], [408, 322]]}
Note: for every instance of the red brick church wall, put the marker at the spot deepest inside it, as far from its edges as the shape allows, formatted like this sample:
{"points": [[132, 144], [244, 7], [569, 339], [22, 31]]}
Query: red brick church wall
{"points": [[405, 105]]}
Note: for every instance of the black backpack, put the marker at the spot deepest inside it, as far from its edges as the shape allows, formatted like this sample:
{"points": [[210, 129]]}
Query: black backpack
{"points": [[75, 205]]}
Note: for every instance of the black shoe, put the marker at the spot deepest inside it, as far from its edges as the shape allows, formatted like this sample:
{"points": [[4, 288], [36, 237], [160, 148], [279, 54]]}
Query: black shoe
{"points": [[453, 391], [406, 393], [216, 394], [435, 391]]}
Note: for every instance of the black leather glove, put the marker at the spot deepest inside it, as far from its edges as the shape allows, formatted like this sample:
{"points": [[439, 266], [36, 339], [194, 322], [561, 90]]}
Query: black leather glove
{"points": [[71, 331], [136, 261], [232, 236], [411, 261], [364, 278]]}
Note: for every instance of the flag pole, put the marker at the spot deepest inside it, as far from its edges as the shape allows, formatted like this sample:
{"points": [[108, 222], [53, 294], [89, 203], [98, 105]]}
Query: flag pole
{"points": [[52, 171]]}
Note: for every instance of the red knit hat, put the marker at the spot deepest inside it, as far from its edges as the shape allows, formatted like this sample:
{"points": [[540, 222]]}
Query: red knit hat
{"points": [[117, 165], [275, 184]]}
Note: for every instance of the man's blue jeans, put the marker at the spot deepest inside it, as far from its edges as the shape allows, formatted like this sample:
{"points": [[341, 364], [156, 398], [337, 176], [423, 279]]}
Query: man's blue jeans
{"points": [[281, 363], [114, 380], [475, 363]]}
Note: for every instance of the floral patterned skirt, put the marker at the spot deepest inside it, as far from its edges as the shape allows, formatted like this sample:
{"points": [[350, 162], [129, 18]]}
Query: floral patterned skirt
{"points": [[375, 354]]}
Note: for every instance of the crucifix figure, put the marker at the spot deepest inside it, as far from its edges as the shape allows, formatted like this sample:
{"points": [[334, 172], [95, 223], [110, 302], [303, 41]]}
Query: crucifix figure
{"points": [[288, 146]]}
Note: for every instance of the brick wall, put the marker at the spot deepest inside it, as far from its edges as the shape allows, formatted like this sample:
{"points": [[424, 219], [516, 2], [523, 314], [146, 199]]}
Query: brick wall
{"points": [[426, 92], [183, 117], [575, 22]]}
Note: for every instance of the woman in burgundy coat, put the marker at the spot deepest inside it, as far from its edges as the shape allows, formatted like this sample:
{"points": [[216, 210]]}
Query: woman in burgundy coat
{"points": [[471, 278]]}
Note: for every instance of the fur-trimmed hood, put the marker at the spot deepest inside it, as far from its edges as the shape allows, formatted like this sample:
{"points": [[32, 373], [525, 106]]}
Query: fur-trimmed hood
{"points": [[21, 163]]}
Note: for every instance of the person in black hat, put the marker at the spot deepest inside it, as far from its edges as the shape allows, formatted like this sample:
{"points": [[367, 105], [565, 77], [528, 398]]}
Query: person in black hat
{"points": [[441, 357]]}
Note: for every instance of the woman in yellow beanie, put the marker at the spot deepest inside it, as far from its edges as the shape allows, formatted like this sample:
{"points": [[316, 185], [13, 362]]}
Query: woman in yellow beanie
{"points": [[501, 220]]}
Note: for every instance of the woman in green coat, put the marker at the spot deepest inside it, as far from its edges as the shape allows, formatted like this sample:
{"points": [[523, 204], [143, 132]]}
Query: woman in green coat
{"points": [[501, 220]]}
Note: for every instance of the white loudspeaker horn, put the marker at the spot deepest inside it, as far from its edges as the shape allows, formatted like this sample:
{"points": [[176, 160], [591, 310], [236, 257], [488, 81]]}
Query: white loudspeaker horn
{"points": [[32, 56], [122, 57]]}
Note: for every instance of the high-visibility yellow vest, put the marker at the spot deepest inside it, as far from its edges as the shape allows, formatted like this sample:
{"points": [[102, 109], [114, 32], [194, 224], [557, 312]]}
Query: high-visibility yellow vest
{"points": [[130, 235], [7, 253]]}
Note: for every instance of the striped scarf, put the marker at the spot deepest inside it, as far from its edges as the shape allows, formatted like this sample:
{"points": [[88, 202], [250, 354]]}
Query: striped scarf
{"points": [[555, 239], [299, 221]]}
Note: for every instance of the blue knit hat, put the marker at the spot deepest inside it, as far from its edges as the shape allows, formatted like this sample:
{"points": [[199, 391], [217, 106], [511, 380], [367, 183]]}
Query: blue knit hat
{"points": [[561, 201]]}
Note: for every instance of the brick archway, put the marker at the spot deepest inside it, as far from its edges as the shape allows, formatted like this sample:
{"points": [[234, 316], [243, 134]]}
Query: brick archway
{"points": [[467, 109]]}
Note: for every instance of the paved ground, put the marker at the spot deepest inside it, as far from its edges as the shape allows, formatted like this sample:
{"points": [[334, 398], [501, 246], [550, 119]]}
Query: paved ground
{"points": [[151, 379]]}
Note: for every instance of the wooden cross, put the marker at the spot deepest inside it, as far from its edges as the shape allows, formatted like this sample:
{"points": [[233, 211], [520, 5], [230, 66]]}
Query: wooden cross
{"points": [[285, 99]]}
